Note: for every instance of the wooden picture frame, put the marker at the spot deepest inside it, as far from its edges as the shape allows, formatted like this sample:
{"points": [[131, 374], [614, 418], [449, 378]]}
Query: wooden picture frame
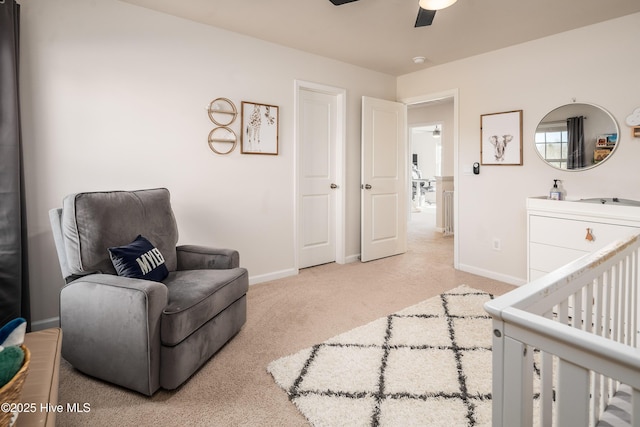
{"points": [[501, 138], [259, 128]]}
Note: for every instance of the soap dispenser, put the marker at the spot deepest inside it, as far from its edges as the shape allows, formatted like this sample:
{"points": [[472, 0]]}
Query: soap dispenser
{"points": [[555, 193]]}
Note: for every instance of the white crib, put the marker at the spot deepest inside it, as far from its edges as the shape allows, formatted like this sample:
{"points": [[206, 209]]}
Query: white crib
{"points": [[566, 343]]}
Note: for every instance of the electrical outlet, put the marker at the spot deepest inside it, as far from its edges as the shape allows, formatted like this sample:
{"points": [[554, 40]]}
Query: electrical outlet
{"points": [[496, 245]]}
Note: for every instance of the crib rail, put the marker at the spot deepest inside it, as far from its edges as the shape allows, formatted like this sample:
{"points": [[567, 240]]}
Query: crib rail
{"points": [[563, 343]]}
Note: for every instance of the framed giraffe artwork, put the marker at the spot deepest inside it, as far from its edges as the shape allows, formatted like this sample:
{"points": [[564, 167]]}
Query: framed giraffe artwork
{"points": [[259, 129]]}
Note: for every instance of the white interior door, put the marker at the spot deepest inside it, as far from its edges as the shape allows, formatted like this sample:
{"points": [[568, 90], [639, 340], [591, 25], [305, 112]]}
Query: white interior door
{"points": [[317, 114], [384, 179]]}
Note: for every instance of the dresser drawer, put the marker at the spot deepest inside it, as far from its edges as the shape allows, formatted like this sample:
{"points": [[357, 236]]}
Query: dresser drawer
{"points": [[548, 258], [569, 233]]}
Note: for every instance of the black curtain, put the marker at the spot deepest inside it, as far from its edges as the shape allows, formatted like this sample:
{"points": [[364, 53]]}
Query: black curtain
{"points": [[14, 283], [575, 138]]}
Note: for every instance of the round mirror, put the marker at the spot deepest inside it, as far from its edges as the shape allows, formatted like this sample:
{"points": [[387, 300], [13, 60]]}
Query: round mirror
{"points": [[576, 136]]}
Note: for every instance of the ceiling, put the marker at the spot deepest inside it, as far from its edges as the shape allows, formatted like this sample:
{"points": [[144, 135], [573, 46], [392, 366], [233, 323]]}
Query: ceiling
{"points": [[379, 34]]}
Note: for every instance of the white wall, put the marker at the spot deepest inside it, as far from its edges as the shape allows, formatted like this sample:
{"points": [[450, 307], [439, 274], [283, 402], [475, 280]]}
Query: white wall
{"points": [[423, 145], [114, 97], [596, 64]]}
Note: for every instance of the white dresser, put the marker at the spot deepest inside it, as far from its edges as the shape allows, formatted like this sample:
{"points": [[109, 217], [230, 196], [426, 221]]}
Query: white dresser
{"points": [[560, 231]]}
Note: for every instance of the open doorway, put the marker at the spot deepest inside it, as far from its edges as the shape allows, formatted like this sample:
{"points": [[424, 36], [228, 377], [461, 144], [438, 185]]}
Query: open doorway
{"points": [[426, 164], [425, 146], [431, 131]]}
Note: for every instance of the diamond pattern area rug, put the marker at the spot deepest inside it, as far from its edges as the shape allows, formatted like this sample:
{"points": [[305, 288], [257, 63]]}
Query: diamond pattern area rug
{"points": [[427, 365]]}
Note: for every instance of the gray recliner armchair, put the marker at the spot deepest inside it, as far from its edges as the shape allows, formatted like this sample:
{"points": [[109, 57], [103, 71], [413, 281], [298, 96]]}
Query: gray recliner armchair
{"points": [[138, 333]]}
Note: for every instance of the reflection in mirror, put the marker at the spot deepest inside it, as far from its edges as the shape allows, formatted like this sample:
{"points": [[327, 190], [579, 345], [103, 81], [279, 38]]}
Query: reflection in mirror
{"points": [[576, 136]]}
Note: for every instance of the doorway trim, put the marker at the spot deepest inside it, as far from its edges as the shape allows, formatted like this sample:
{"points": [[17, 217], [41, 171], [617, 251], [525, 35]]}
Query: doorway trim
{"points": [[451, 93], [339, 158]]}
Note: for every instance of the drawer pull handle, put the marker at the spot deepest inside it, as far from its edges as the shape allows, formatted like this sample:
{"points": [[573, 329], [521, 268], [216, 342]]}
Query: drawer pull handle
{"points": [[589, 236]]}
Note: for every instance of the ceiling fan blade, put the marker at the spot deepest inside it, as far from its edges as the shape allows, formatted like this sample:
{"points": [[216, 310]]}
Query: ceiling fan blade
{"points": [[339, 2], [425, 17]]}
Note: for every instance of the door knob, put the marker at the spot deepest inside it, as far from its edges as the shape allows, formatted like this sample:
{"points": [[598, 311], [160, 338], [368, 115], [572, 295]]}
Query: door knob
{"points": [[334, 186], [367, 187]]}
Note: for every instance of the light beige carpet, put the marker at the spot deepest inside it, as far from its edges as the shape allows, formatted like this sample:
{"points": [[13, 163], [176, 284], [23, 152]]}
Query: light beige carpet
{"points": [[426, 365], [284, 316]]}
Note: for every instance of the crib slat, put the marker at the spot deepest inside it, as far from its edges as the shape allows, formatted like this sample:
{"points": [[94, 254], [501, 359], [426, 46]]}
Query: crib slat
{"points": [[573, 395], [634, 300], [518, 384], [627, 303], [598, 329], [546, 389], [636, 297], [619, 310], [598, 403], [588, 307], [498, 384], [578, 314], [635, 408], [598, 306], [623, 303], [607, 305], [563, 312], [546, 383]]}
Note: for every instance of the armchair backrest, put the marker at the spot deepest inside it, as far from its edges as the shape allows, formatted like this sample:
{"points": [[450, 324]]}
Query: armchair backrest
{"points": [[90, 223]]}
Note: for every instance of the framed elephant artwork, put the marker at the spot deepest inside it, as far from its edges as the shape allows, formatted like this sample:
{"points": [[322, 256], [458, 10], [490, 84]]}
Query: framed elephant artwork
{"points": [[259, 128], [501, 138]]}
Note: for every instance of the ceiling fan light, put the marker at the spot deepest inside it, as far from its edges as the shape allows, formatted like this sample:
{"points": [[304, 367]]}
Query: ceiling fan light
{"points": [[436, 4], [436, 133]]}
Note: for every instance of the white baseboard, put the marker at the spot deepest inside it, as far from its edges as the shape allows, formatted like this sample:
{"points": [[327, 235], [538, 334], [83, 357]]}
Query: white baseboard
{"points": [[254, 280], [52, 322], [516, 281]]}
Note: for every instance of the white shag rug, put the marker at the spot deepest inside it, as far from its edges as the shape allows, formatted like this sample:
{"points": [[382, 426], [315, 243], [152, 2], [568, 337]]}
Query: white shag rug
{"points": [[427, 365]]}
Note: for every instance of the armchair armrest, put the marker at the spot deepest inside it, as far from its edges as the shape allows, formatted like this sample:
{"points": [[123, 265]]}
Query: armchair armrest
{"points": [[111, 329], [192, 257]]}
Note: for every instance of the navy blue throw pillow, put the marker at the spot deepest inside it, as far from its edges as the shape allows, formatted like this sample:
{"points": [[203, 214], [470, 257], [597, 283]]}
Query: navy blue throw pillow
{"points": [[139, 260]]}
